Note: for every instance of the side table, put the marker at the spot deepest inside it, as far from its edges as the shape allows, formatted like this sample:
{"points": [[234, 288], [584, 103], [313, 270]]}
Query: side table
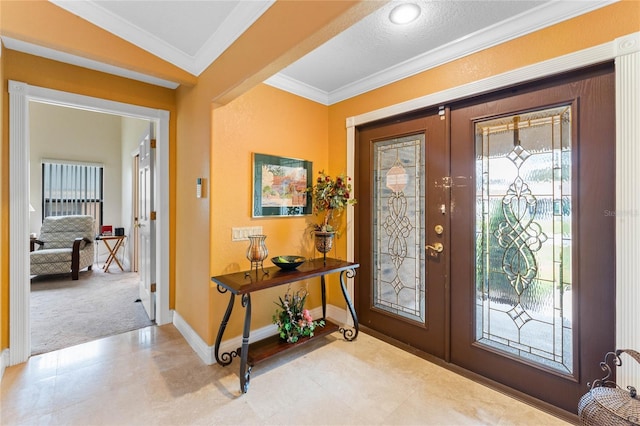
{"points": [[113, 250]]}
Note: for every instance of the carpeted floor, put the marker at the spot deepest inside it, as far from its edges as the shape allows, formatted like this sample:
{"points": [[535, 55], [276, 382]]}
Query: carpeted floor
{"points": [[66, 312]]}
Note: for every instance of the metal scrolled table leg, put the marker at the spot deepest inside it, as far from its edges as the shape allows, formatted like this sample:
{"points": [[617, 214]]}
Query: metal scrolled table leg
{"points": [[323, 289], [348, 333], [245, 371], [226, 358]]}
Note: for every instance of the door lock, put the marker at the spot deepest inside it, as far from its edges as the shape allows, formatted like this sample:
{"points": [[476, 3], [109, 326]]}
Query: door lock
{"points": [[439, 229], [437, 247]]}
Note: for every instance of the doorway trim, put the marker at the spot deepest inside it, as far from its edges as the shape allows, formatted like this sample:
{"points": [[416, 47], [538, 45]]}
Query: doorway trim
{"points": [[626, 53], [20, 95]]}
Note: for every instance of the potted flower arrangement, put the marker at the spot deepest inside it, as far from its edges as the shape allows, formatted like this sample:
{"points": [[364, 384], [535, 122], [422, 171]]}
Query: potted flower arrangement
{"points": [[330, 197], [292, 319]]}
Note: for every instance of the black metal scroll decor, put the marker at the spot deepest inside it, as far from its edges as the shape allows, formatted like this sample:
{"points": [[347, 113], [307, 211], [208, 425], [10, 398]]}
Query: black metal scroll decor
{"points": [[226, 357], [612, 359], [349, 333]]}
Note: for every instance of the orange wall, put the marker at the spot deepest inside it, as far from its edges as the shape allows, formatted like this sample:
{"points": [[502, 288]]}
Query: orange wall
{"points": [[192, 214], [264, 120], [41, 72], [265, 48]]}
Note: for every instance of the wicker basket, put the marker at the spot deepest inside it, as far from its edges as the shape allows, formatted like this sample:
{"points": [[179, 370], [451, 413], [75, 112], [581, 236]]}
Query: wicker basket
{"points": [[606, 403]]}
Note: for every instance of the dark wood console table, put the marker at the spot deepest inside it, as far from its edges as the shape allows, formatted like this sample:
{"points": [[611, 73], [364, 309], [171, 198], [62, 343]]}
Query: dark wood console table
{"points": [[243, 284]]}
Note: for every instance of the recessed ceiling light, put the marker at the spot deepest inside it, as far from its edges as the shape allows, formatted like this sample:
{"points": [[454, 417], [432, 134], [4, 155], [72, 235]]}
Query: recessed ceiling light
{"points": [[404, 13]]}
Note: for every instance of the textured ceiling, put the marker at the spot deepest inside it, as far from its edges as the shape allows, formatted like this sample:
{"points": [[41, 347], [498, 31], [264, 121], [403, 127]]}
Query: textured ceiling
{"points": [[375, 44], [369, 54]]}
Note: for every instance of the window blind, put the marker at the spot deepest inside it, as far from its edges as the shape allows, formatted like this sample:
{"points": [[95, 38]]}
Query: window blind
{"points": [[72, 188]]}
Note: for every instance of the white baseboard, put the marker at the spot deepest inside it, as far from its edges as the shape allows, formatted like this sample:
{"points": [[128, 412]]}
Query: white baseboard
{"points": [[4, 362], [338, 315], [199, 346], [207, 352]]}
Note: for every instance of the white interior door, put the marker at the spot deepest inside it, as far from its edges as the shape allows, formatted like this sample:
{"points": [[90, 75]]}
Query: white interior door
{"points": [[146, 225], [134, 237]]}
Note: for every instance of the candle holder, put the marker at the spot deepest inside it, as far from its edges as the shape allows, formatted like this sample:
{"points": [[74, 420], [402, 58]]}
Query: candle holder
{"points": [[257, 253]]}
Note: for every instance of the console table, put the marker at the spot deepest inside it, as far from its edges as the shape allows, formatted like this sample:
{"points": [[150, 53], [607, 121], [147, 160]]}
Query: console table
{"points": [[246, 282]]}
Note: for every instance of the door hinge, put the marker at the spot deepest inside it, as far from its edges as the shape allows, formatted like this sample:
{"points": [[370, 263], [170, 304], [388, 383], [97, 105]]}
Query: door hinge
{"points": [[152, 216], [441, 113], [153, 287], [152, 143]]}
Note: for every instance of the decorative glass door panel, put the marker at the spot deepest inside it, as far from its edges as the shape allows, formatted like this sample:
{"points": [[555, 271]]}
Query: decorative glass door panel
{"points": [[398, 227], [524, 237], [400, 286]]}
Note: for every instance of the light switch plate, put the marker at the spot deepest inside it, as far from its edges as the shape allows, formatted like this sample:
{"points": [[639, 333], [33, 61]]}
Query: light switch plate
{"points": [[242, 233]]}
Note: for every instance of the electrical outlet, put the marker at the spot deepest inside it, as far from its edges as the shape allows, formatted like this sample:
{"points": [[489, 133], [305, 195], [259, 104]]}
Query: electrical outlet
{"points": [[242, 233]]}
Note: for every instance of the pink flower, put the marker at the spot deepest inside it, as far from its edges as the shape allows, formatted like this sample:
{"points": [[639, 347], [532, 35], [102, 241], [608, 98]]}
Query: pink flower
{"points": [[306, 315]]}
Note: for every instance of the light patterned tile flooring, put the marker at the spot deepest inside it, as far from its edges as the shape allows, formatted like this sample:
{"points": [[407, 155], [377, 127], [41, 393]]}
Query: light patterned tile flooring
{"points": [[152, 377]]}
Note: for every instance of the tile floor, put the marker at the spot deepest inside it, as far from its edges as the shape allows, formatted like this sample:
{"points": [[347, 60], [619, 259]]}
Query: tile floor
{"points": [[152, 377]]}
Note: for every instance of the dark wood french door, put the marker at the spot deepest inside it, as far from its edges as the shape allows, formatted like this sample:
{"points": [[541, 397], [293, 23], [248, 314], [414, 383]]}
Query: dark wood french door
{"points": [[483, 233], [401, 168]]}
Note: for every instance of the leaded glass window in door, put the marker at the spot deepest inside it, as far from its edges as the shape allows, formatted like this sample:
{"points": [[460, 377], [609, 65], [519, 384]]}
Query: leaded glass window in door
{"points": [[524, 237], [398, 227]]}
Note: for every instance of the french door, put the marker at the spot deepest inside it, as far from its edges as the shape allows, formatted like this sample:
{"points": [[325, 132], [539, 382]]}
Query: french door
{"points": [[486, 233], [401, 169]]}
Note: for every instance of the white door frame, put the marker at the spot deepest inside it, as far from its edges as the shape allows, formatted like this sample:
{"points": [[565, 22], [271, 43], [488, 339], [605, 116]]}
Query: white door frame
{"points": [[20, 94], [625, 51]]}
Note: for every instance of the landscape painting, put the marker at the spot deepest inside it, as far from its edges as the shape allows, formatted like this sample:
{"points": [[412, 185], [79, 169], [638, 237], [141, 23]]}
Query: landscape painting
{"points": [[280, 186]]}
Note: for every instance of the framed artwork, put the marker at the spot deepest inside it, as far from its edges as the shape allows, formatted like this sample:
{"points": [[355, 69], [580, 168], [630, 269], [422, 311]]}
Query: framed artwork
{"points": [[279, 186]]}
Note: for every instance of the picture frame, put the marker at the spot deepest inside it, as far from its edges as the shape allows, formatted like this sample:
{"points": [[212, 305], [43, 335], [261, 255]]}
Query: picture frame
{"points": [[279, 186]]}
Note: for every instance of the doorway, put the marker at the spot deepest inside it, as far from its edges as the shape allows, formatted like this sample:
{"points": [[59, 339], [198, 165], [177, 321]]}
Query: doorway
{"points": [[89, 149], [509, 251], [20, 95]]}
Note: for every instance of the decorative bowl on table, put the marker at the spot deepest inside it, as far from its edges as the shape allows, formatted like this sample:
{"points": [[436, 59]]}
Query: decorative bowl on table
{"points": [[288, 263]]}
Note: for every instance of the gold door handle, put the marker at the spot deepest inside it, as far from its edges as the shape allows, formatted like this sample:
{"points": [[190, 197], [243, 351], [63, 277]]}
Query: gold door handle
{"points": [[437, 247]]}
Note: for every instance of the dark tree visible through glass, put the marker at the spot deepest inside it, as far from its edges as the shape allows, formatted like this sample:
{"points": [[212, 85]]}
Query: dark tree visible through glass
{"points": [[523, 237]]}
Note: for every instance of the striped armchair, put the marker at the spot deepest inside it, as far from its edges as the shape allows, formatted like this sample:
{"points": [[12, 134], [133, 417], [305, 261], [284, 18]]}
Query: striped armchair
{"points": [[65, 245]]}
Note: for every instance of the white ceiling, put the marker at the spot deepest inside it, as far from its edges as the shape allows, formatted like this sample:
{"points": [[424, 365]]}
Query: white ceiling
{"points": [[370, 54]]}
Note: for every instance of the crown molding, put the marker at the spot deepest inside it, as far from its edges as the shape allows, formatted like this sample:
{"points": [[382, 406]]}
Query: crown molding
{"points": [[291, 85], [242, 17], [105, 19], [518, 26], [56, 55], [247, 12]]}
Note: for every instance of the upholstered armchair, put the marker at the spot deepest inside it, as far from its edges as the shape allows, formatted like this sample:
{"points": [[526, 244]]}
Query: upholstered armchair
{"points": [[66, 244]]}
